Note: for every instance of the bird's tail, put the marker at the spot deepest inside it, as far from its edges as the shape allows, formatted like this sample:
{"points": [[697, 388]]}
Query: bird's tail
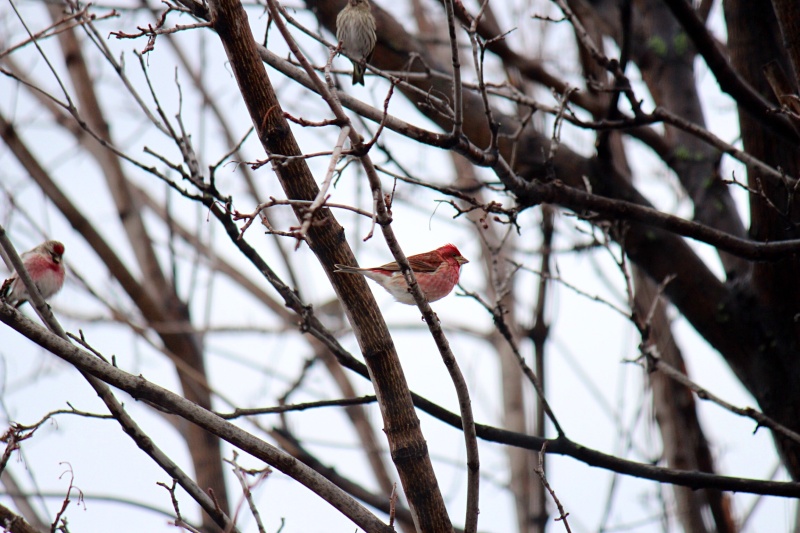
{"points": [[5, 289], [347, 269], [5, 293], [358, 74]]}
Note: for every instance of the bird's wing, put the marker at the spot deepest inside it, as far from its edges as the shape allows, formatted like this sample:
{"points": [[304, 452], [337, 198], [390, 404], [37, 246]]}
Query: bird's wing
{"points": [[417, 264]]}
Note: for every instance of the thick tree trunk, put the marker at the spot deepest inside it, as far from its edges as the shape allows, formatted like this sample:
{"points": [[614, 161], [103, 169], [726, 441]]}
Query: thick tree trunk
{"points": [[327, 240], [754, 39]]}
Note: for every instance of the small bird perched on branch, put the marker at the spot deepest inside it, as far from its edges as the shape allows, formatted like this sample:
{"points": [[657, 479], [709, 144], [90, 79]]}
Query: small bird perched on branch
{"points": [[45, 267], [355, 30], [437, 273]]}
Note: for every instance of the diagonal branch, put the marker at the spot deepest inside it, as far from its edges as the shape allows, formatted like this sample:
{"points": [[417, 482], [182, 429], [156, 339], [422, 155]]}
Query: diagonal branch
{"points": [[138, 387], [326, 239], [729, 80]]}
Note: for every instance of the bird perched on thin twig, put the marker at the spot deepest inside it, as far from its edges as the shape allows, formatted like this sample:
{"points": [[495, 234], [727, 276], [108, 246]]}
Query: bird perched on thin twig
{"points": [[355, 30], [437, 273], [45, 267]]}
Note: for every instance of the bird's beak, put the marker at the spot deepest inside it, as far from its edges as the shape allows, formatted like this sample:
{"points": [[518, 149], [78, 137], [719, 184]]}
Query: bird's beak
{"points": [[461, 259], [56, 258]]}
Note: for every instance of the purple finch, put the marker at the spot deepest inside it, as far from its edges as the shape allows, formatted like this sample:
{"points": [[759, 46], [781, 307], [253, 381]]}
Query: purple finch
{"points": [[355, 30], [46, 269], [436, 272]]}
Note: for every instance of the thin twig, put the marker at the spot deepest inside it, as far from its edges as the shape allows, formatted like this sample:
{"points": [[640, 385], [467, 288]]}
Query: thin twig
{"points": [[79, 17], [239, 412], [247, 488], [458, 123], [540, 472], [260, 208], [497, 316], [656, 363], [322, 197]]}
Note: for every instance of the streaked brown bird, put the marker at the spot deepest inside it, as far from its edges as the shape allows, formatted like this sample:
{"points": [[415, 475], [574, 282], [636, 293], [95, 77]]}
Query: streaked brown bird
{"points": [[355, 30]]}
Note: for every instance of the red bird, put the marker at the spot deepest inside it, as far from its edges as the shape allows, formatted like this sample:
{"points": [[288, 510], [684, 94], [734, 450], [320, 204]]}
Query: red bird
{"points": [[436, 272], [45, 267]]}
